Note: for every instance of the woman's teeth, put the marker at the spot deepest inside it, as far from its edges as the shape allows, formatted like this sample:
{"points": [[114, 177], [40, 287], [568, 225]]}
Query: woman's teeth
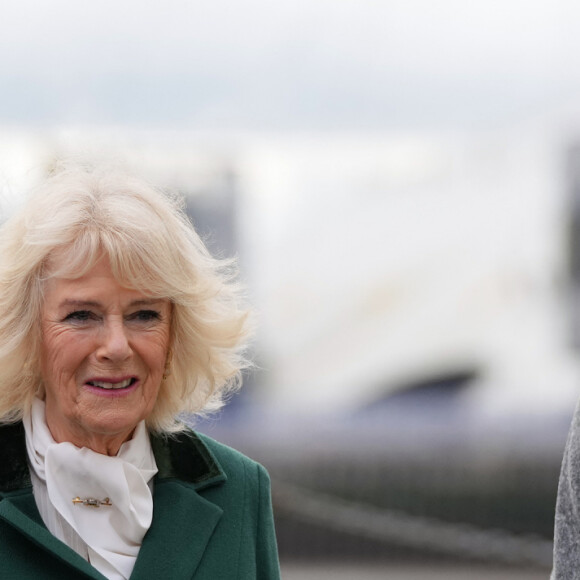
{"points": [[105, 385]]}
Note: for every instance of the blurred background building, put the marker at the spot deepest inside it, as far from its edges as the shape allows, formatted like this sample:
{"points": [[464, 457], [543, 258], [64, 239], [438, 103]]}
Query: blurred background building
{"points": [[400, 182]]}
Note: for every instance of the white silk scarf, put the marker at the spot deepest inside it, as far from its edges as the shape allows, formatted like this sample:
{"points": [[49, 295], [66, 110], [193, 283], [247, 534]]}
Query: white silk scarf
{"points": [[113, 533]]}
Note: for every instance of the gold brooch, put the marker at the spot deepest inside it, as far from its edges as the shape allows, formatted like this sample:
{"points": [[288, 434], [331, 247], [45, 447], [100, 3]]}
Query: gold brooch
{"points": [[92, 502]]}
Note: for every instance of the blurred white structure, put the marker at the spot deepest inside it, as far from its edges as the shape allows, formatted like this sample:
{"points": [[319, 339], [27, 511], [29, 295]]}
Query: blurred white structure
{"points": [[379, 261]]}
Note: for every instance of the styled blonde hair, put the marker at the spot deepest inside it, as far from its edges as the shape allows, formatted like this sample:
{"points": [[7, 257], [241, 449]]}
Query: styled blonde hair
{"points": [[80, 214]]}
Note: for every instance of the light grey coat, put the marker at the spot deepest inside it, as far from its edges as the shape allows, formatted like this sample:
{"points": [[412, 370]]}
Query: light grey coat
{"points": [[567, 520]]}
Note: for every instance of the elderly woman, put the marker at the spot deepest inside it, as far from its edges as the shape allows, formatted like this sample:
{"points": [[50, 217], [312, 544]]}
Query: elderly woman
{"points": [[114, 320]]}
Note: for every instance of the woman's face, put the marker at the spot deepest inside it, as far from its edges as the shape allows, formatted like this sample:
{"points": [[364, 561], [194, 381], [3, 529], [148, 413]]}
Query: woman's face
{"points": [[104, 349]]}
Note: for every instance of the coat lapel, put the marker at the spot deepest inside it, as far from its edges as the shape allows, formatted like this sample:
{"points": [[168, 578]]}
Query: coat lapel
{"points": [[20, 512], [183, 521]]}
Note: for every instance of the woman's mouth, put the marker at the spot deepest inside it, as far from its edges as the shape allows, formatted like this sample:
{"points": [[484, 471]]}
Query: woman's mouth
{"points": [[113, 385]]}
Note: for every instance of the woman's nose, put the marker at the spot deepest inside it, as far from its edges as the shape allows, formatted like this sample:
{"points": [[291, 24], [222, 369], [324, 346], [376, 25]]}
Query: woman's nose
{"points": [[114, 345]]}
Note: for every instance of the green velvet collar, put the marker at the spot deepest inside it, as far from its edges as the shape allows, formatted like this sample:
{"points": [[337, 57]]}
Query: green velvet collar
{"points": [[181, 456]]}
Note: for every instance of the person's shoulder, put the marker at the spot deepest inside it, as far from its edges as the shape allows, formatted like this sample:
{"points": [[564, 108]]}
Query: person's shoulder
{"points": [[227, 456], [199, 459]]}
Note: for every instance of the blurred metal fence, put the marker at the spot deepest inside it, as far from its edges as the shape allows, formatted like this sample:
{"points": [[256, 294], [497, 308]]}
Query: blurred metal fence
{"points": [[466, 500], [419, 533]]}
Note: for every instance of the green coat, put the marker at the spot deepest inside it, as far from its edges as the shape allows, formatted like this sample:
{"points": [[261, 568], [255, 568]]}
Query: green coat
{"points": [[212, 517]]}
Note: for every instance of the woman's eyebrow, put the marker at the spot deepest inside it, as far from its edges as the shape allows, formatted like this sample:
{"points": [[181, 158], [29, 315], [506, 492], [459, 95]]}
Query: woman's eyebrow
{"points": [[146, 302], [96, 304], [80, 303]]}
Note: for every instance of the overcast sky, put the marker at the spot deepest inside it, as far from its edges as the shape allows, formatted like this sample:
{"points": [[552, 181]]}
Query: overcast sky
{"points": [[300, 64]]}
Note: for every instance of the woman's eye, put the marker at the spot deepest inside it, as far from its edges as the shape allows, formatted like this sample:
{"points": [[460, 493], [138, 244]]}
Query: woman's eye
{"points": [[145, 316], [80, 316]]}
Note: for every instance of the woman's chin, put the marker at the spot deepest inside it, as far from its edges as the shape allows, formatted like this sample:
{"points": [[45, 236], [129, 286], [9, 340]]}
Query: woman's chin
{"points": [[106, 436]]}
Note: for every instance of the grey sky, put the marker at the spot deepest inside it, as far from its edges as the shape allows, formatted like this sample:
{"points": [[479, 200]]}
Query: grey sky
{"points": [[258, 64]]}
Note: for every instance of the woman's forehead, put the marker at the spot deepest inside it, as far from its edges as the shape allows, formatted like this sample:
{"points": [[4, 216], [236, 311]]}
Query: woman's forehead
{"points": [[97, 288]]}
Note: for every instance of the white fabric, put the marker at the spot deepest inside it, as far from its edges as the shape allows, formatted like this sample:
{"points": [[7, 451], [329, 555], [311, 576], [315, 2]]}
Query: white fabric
{"points": [[114, 533]]}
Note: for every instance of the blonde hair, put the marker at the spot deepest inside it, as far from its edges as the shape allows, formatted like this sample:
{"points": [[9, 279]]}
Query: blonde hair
{"points": [[79, 214]]}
